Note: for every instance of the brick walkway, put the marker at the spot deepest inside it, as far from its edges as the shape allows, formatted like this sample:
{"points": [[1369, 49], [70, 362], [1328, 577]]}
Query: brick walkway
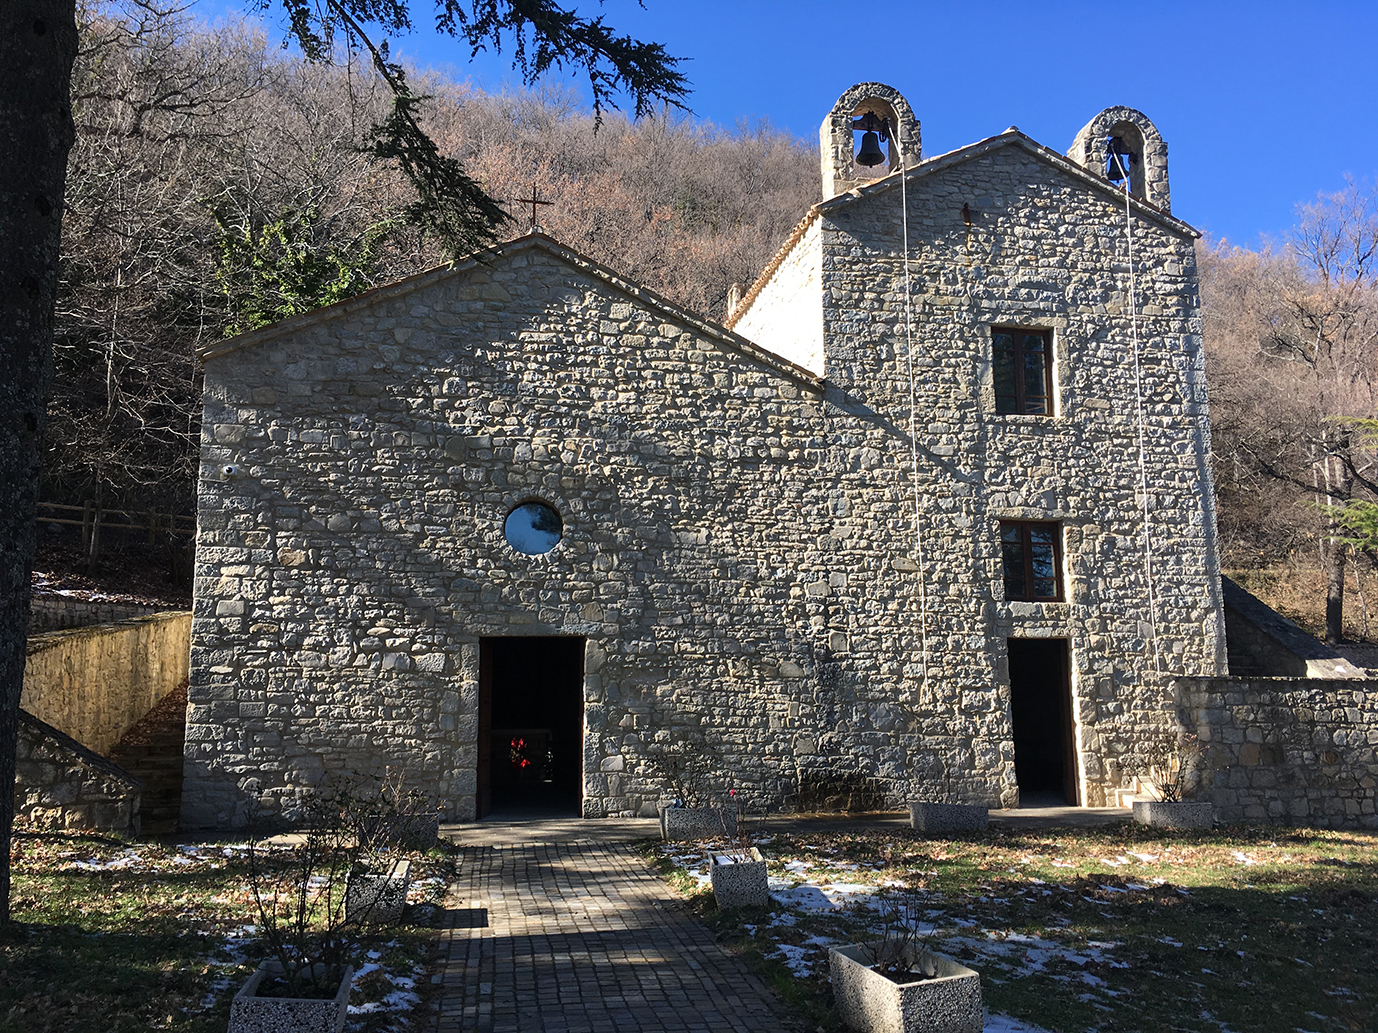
{"points": [[581, 937]]}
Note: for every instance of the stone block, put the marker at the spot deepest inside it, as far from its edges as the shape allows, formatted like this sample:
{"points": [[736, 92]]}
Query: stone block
{"points": [[739, 879], [678, 824], [1179, 814], [948, 818], [378, 896]]}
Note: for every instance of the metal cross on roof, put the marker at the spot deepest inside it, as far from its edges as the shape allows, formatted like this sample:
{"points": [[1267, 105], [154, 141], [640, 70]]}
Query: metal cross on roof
{"points": [[533, 201]]}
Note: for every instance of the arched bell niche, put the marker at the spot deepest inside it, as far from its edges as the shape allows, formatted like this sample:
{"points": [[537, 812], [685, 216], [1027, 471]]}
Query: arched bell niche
{"points": [[840, 135], [1119, 141]]}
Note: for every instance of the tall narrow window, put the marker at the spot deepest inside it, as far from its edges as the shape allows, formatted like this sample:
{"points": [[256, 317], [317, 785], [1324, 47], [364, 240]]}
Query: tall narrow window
{"points": [[1032, 555], [1023, 371]]}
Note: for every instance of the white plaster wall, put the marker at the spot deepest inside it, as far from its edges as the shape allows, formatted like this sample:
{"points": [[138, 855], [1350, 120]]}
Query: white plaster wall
{"points": [[786, 316]]}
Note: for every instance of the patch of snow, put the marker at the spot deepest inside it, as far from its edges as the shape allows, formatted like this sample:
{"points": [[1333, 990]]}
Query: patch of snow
{"points": [[795, 959], [997, 1023]]}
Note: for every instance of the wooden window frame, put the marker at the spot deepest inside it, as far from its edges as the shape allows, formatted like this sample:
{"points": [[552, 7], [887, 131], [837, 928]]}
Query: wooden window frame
{"points": [[1020, 397], [1026, 543]]}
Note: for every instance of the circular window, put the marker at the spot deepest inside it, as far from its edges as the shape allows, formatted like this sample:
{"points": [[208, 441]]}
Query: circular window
{"points": [[534, 528]]}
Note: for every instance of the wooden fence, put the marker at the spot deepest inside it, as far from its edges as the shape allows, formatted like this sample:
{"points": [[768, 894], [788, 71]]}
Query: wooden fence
{"points": [[93, 518]]}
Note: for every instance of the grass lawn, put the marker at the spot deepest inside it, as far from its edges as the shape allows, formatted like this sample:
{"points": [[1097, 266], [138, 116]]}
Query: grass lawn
{"points": [[111, 937], [1116, 928]]}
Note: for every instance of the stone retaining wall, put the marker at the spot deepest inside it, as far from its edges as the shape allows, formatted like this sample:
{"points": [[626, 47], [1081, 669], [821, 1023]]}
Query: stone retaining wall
{"points": [[57, 612], [61, 784], [1302, 750], [95, 683]]}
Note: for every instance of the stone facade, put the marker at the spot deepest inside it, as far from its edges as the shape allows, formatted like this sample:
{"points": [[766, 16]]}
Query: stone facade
{"points": [[740, 549], [1299, 750]]}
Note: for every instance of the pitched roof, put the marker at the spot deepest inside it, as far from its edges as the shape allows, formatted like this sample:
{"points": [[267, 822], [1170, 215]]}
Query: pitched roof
{"points": [[928, 166], [487, 257]]}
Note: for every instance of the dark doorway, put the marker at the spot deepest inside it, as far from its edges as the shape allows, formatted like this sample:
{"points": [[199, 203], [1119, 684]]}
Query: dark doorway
{"points": [[531, 725], [1041, 709]]}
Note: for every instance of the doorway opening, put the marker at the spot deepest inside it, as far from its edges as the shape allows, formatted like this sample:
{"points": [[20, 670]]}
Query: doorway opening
{"points": [[1041, 710], [531, 725]]}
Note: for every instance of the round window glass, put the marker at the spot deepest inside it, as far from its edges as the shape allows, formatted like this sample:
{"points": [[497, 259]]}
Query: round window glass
{"points": [[534, 528]]}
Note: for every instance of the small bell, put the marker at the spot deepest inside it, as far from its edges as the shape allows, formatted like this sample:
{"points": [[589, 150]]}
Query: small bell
{"points": [[870, 153], [1119, 159]]}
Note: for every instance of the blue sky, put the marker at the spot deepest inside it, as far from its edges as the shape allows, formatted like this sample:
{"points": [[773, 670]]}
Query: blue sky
{"points": [[1262, 104]]}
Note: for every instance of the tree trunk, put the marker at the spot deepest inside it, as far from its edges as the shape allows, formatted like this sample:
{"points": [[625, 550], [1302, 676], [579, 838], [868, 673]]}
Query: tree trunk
{"points": [[1339, 489], [1334, 591], [38, 43]]}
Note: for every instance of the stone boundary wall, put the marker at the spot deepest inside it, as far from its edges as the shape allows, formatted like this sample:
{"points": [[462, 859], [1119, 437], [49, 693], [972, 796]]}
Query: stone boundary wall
{"points": [[58, 612], [61, 784], [1300, 750], [94, 684]]}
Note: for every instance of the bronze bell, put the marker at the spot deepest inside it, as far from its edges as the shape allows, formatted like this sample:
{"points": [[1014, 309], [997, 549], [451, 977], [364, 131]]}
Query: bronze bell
{"points": [[870, 153], [1119, 159]]}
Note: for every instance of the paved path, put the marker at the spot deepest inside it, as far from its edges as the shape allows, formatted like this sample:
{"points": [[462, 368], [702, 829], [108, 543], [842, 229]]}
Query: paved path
{"points": [[558, 926], [568, 931]]}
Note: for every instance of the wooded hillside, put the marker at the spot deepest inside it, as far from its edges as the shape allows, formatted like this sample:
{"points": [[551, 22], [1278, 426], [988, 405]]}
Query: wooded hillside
{"points": [[218, 184]]}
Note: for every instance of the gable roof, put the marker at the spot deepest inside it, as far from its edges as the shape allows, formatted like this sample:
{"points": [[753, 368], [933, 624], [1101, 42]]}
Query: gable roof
{"points": [[534, 240], [1011, 137], [927, 167]]}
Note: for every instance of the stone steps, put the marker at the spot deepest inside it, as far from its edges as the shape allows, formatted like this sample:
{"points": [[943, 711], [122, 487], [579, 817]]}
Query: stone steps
{"points": [[152, 751]]}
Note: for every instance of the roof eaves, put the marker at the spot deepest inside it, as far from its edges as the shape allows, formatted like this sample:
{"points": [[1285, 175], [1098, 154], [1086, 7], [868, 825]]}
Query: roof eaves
{"points": [[723, 335], [733, 341], [292, 324]]}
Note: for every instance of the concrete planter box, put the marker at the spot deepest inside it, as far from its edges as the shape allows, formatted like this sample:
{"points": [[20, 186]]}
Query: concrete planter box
{"points": [[1179, 814], [948, 817], [739, 883], [692, 823], [379, 897], [869, 1002], [250, 1013]]}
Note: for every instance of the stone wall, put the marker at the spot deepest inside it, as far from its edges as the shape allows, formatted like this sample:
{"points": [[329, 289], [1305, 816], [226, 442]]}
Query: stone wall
{"points": [[95, 683], [57, 612], [1294, 750], [60, 784]]}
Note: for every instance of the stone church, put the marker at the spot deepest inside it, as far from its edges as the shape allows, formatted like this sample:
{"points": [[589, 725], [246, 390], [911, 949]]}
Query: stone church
{"points": [[929, 517]]}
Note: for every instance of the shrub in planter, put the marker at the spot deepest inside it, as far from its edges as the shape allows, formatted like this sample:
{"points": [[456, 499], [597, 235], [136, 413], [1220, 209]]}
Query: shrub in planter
{"points": [[701, 809], [945, 998], [739, 878], [301, 886], [1174, 814], [415, 831], [257, 1008], [694, 823], [377, 893], [948, 817]]}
